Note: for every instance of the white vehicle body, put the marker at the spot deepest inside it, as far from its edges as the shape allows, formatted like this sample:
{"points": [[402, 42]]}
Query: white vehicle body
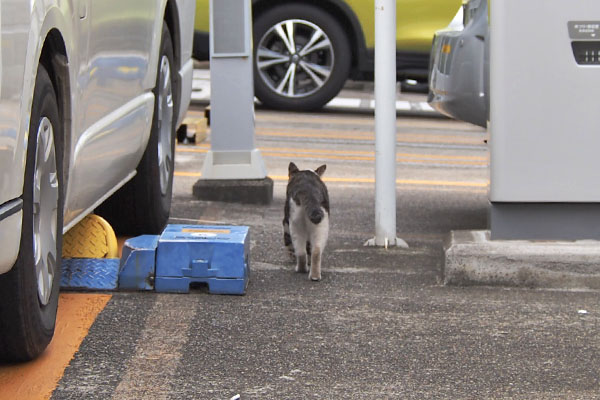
{"points": [[105, 55], [459, 69]]}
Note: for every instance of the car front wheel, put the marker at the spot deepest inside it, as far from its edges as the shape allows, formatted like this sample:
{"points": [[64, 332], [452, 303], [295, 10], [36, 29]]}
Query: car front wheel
{"points": [[301, 57], [29, 291]]}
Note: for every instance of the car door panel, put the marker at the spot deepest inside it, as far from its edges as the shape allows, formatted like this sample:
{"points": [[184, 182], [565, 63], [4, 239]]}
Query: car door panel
{"points": [[14, 28], [103, 162], [113, 111]]}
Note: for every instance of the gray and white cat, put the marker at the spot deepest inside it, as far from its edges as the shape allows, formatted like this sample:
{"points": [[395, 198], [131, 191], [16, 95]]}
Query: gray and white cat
{"points": [[306, 218]]}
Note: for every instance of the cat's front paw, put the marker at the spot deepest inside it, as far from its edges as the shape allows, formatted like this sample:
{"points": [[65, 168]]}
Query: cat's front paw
{"points": [[315, 277]]}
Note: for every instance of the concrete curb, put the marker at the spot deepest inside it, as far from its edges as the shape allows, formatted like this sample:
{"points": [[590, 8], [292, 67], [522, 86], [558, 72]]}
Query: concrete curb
{"points": [[201, 95], [471, 258]]}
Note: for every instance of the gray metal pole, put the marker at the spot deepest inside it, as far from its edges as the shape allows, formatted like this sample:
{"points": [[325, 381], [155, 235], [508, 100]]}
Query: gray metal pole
{"points": [[233, 154], [233, 168], [385, 125]]}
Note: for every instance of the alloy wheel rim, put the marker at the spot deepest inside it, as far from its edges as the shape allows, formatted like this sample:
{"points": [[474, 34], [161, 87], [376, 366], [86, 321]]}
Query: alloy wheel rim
{"points": [[295, 58], [165, 123], [45, 208]]}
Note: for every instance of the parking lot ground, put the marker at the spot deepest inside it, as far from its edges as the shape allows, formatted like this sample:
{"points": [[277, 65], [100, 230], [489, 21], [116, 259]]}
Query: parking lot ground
{"points": [[380, 325]]}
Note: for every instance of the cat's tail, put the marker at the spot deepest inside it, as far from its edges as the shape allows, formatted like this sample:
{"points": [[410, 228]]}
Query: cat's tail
{"points": [[312, 207], [287, 238], [315, 214]]}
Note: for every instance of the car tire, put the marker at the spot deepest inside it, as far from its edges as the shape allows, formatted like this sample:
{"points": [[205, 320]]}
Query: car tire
{"points": [[143, 205], [29, 291], [318, 72]]}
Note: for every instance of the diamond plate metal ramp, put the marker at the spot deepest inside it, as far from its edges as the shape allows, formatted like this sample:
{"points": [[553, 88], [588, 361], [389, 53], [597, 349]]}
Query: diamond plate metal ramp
{"points": [[90, 256], [90, 273]]}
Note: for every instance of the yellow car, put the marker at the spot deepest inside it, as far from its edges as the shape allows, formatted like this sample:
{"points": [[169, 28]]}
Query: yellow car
{"points": [[305, 50]]}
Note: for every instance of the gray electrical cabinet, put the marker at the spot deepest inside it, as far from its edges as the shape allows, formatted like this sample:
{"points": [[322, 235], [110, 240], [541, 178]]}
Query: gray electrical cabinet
{"points": [[545, 119]]}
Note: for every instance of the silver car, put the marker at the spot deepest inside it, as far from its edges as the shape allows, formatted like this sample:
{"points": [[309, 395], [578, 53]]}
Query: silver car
{"points": [[91, 93], [459, 68]]}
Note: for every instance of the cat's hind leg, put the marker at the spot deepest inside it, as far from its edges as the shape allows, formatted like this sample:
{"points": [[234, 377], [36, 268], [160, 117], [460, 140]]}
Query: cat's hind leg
{"points": [[299, 238], [318, 238], [315, 264], [301, 261]]}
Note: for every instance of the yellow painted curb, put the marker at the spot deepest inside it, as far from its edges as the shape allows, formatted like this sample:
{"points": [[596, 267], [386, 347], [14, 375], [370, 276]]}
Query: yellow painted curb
{"points": [[92, 237]]}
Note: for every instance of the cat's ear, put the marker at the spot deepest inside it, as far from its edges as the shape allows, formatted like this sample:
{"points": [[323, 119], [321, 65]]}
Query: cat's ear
{"points": [[321, 170], [292, 169]]}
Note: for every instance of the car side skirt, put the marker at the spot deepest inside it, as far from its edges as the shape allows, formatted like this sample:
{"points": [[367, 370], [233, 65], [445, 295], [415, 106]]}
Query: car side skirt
{"points": [[11, 217], [11, 207]]}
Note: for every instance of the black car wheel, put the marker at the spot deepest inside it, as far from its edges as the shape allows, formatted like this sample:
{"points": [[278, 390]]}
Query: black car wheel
{"points": [[301, 57], [29, 292], [143, 205]]}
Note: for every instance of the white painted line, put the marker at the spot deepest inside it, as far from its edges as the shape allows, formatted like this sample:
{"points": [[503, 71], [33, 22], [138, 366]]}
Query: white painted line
{"points": [[163, 337], [426, 107], [201, 74], [344, 102], [403, 106], [365, 104], [200, 85], [200, 96]]}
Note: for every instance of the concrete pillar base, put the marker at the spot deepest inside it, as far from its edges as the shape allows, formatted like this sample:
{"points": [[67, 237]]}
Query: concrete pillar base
{"points": [[471, 258], [248, 191]]}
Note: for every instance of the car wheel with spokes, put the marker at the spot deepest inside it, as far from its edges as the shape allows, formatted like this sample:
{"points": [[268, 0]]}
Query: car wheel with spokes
{"points": [[301, 57], [29, 291]]}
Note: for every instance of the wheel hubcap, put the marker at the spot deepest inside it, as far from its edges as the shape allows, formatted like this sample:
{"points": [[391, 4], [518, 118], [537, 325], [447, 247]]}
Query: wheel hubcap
{"points": [[45, 207], [165, 123], [295, 58]]}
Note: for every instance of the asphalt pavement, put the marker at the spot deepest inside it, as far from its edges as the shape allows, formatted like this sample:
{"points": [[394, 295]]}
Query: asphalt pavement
{"points": [[380, 324]]}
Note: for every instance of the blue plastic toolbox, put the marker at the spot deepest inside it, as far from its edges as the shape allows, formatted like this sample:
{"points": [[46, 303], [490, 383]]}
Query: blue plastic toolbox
{"points": [[213, 255]]}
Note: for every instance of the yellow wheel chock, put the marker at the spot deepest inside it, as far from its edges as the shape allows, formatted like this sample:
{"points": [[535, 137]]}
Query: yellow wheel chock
{"points": [[92, 237]]}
